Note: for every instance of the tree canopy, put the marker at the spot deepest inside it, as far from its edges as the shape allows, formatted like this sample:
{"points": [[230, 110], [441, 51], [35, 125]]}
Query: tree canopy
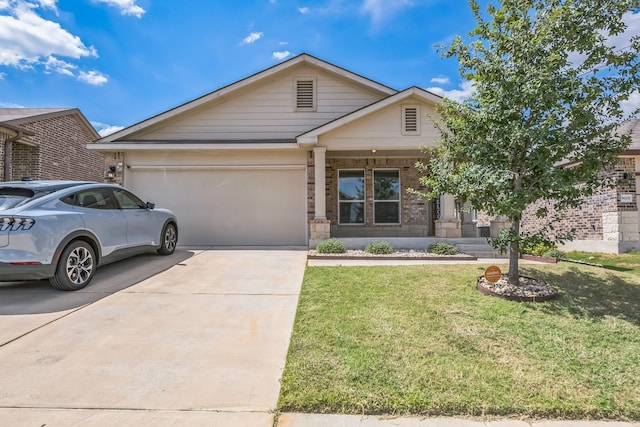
{"points": [[549, 84]]}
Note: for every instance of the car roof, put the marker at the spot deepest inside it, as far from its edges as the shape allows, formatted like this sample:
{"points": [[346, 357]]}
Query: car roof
{"points": [[44, 185]]}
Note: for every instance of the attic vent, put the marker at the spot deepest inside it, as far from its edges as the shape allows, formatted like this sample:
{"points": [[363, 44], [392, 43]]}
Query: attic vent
{"points": [[410, 120], [305, 95]]}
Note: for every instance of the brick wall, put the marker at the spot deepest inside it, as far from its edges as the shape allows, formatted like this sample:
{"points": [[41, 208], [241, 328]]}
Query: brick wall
{"points": [[416, 221], [588, 218], [60, 151]]}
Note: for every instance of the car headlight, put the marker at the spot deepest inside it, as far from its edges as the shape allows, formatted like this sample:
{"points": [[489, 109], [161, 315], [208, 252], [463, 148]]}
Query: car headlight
{"points": [[13, 224]]}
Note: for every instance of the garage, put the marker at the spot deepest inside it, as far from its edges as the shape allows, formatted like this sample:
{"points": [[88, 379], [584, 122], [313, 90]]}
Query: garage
{"points": [[229, 205]]}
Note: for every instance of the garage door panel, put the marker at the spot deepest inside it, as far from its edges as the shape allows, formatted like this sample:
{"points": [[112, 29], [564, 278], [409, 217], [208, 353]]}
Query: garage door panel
{"points": [[230, 207]]}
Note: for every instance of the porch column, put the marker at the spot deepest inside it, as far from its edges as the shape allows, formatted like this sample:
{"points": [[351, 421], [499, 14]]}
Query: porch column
{"points": [[448, 226], [319, 165], [320, 226]]}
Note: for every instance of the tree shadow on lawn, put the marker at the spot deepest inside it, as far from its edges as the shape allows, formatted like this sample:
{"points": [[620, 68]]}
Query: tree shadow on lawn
{"points": [[589, 295]]}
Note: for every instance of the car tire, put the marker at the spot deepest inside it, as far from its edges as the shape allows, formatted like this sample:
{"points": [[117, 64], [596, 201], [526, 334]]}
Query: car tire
{"points": [[168, 239], [76, 267]]}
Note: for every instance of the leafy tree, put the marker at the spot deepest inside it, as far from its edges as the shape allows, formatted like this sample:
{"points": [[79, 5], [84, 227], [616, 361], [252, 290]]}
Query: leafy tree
{"points": [[548, 91]]}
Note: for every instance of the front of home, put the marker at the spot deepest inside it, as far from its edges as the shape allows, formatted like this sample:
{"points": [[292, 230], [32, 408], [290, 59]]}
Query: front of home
{"points": [[289, 156], [292, 155]]}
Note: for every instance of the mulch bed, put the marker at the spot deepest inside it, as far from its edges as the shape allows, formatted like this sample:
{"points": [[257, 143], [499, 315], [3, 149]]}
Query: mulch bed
{"points": [[529, 289]]}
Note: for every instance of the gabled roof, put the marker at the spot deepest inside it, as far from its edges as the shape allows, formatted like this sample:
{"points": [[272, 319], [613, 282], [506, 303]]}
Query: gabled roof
{"points": [[311, 137], [224, 91], [20, 116], [632, 127]]}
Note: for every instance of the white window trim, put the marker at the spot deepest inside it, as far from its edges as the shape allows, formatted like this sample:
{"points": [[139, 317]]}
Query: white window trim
{"points": [[314, 81], [405, 107], [364, 201], [373, 176]]}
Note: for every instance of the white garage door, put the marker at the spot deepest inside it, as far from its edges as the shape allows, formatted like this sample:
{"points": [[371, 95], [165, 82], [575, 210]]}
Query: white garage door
{"points": [[230, 207]]}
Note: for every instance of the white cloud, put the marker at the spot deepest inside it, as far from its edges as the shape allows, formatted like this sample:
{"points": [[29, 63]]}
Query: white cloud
{"points": [[281, 55], [303, 10], [464, 92], [127, 7], [2, 76], [104, 129], [251, 38], [28, 41], [26, 38], [632, 104], [93, 77], [379, 10], [10, 104], [441, 80], [59, 66]]}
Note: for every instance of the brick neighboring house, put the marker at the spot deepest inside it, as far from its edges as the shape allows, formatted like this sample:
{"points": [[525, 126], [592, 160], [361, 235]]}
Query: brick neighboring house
{"points": [[607, 221], [48, 143]]}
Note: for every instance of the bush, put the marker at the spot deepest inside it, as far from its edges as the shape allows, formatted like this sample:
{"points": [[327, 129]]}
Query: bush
{"points": [[442, 248], [554, 253], [538, 248], [379, 248], [331, 246]]}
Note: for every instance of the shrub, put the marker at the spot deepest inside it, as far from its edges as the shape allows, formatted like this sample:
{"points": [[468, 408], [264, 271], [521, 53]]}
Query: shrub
{"points": [[379, 248], [331, 246], [442, 248], [554, 253], [537, 248]]}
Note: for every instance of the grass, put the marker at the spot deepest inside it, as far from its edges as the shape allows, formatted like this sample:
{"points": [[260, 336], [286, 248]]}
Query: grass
{"points": [[629, 262], [421, 340]]}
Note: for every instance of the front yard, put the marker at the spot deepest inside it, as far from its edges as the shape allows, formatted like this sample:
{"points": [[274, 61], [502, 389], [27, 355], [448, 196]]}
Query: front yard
{"points": [[421, 340]]}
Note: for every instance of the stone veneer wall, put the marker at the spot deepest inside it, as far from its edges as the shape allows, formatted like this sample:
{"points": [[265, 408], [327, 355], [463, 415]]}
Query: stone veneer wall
{"points": [[60, 153], [415, 220]]}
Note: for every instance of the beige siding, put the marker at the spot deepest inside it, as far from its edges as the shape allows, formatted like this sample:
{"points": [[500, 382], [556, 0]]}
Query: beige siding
{"points": [[382, 130], [267, 111]]}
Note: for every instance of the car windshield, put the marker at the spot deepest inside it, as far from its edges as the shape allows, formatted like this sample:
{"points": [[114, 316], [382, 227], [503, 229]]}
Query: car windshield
{"points": [[11, 197]]}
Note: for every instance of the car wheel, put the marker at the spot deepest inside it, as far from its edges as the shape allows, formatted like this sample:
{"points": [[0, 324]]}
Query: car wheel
{"points": [[169, 240], [76, 267]]}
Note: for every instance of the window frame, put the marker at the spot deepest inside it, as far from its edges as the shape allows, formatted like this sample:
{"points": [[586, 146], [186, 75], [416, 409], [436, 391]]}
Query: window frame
{"points": [[363, 200], [398, 201]]}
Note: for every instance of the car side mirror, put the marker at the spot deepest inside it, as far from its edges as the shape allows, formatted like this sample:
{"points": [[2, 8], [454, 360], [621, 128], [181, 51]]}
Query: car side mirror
{"points": [[150, 205]]}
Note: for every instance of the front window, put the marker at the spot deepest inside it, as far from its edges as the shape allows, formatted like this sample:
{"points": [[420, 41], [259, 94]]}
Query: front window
{"points": [[386, 196], [351, 196], [127, 200]]}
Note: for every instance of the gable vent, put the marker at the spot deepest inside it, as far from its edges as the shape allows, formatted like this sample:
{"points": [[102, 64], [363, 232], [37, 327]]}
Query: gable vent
{"points": [[304, 94], [411, 119]]}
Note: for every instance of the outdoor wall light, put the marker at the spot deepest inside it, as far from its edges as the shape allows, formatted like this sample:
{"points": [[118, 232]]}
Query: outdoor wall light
{"points": [[628, 177], [111, 173], [373, 151]]}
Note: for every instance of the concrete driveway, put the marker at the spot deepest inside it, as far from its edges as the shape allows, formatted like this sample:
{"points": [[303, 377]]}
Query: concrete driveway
{"points": [[197, 338]]}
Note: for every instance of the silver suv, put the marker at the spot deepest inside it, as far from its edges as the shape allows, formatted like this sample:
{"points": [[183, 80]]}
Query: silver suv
{"points": [[63, 230]]}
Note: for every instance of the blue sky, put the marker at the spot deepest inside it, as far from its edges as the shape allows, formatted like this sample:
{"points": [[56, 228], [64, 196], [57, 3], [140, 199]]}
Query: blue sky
{"points": [[122, 61]]}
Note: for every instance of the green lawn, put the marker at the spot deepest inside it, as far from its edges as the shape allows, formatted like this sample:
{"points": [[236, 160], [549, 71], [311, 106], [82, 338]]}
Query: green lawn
{"points": [[421, 340]]}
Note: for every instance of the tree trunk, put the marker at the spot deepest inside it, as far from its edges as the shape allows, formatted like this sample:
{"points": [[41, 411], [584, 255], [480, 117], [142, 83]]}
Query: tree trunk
{"points": [[514, 253]]}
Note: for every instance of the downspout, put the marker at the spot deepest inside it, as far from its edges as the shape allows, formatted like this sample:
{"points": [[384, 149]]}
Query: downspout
{"points": [[8, 149]]}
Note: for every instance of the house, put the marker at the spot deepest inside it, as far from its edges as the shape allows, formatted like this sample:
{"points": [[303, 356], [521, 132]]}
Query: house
{"points": [[48, 143], [291, 155], [295, 154], [609, 220]]}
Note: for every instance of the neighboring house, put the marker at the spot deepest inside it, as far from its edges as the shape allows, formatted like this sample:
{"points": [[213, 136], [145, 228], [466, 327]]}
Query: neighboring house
{"points": [[292, 155], [607, 221], [48, 143]]}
